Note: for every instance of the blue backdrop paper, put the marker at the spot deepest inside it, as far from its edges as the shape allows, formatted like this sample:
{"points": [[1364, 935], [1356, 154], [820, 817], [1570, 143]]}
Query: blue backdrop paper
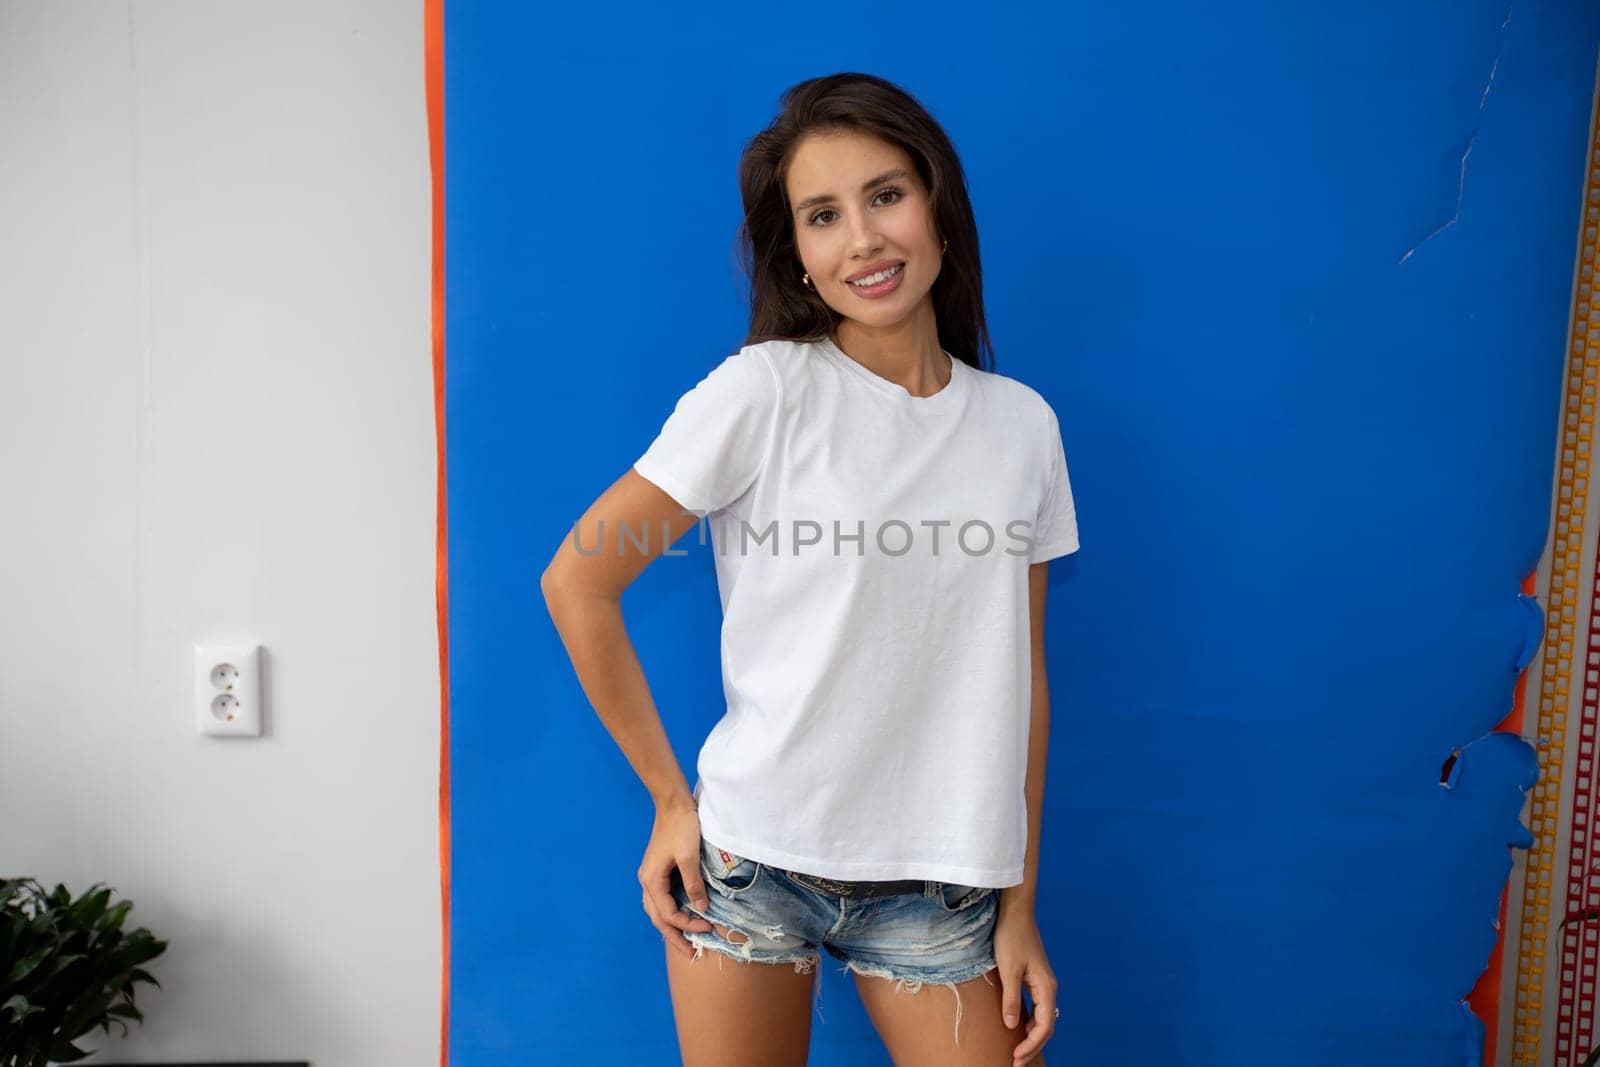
{"points": [[1307, 366]]}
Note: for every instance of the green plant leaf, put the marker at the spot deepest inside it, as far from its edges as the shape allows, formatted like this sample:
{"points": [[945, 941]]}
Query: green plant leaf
{"points": [[86, 1013], [92, 905], [115, 916], [23, 967], [144, 951], [61, 963]]}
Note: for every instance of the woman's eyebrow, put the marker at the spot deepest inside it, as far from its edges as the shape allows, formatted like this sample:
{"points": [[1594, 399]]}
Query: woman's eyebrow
{"points": [[813, 201]]}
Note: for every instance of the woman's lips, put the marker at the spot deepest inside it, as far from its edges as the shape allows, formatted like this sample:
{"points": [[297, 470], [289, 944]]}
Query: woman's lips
{"points": [[883, 288]]}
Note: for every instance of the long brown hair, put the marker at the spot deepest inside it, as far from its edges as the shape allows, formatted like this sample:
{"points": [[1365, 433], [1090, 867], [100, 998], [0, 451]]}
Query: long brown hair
{"points": [[780, 304]]}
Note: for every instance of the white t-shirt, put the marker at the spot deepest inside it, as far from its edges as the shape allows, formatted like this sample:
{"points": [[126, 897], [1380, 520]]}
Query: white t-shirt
{"points": [[872, 552]]}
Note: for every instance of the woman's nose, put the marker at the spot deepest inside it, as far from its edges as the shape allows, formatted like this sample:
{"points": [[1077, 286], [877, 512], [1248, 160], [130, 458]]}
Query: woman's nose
{"points": [[864, 238]]}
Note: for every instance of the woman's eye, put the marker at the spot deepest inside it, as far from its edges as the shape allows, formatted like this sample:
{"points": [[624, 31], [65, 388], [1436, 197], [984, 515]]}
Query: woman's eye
{"points": [[829, 211]]}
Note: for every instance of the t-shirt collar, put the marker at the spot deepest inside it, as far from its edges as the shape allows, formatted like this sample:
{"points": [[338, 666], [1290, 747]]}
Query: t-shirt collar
{"points": [[942, 401]]}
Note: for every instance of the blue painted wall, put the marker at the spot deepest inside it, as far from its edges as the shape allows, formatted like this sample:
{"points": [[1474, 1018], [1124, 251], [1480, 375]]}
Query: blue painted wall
{"points": [[1308, 369]]}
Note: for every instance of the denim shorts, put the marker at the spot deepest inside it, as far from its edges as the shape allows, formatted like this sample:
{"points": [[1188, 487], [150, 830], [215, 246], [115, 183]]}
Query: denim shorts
{"points": [[942, 934]]}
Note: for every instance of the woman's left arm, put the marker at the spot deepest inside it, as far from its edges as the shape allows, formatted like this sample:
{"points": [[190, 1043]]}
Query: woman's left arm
{"points": [[1018, 948], [1021, 898]]}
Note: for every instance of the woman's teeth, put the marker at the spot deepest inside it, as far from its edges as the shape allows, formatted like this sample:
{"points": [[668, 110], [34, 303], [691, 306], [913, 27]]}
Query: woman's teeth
{"points": [[882, 275]]}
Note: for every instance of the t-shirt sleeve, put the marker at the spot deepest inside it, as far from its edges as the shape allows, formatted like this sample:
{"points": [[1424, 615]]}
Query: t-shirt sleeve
{"points": [[713, 444], [1055, 533]]}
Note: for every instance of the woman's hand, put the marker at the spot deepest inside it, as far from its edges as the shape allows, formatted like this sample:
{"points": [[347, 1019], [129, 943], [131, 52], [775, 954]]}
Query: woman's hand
{"points": [[1019, 951], [674, 845]]}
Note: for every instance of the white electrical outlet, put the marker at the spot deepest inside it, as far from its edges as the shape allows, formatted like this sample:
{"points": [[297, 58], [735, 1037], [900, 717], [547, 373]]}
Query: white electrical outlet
{"points": [[227, 689]]}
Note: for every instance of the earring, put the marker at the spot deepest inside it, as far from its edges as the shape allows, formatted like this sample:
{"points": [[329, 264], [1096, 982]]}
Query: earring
{"points": [[946, 247], [806, 280]]}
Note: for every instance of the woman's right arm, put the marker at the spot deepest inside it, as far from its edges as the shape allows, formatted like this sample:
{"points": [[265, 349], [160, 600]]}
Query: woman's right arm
{"points": [[584, 596], [583, 593]]}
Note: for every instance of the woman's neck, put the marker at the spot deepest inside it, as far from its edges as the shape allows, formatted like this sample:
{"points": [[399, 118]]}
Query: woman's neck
{"points": [[907, 354]]}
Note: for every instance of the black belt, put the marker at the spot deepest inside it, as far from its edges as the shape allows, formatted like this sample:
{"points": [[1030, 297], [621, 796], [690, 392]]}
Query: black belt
{"points": [[858, 889]]}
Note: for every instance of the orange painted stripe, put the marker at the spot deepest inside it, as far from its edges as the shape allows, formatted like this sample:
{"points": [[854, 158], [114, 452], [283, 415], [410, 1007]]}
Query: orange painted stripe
{"points": [[433, 50], [1485, 996]]}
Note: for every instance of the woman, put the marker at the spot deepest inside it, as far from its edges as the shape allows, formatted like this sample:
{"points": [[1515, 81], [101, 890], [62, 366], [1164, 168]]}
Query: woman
{"points": [[882, 511]]}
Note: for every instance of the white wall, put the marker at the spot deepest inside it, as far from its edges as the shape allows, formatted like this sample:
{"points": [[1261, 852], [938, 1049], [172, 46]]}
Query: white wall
{"points": [[216, 421]]}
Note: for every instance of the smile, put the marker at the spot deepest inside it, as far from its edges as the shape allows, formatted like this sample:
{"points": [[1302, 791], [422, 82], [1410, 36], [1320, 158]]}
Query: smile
{"points": [[885, 281]]}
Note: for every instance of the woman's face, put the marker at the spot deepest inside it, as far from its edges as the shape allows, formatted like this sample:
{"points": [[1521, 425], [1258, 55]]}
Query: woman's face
{"points": [[860, 205]]}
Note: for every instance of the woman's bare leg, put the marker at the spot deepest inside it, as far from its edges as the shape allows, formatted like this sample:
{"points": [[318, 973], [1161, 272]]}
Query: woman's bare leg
{"points": [[920, 1027], [731, 1013]]}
